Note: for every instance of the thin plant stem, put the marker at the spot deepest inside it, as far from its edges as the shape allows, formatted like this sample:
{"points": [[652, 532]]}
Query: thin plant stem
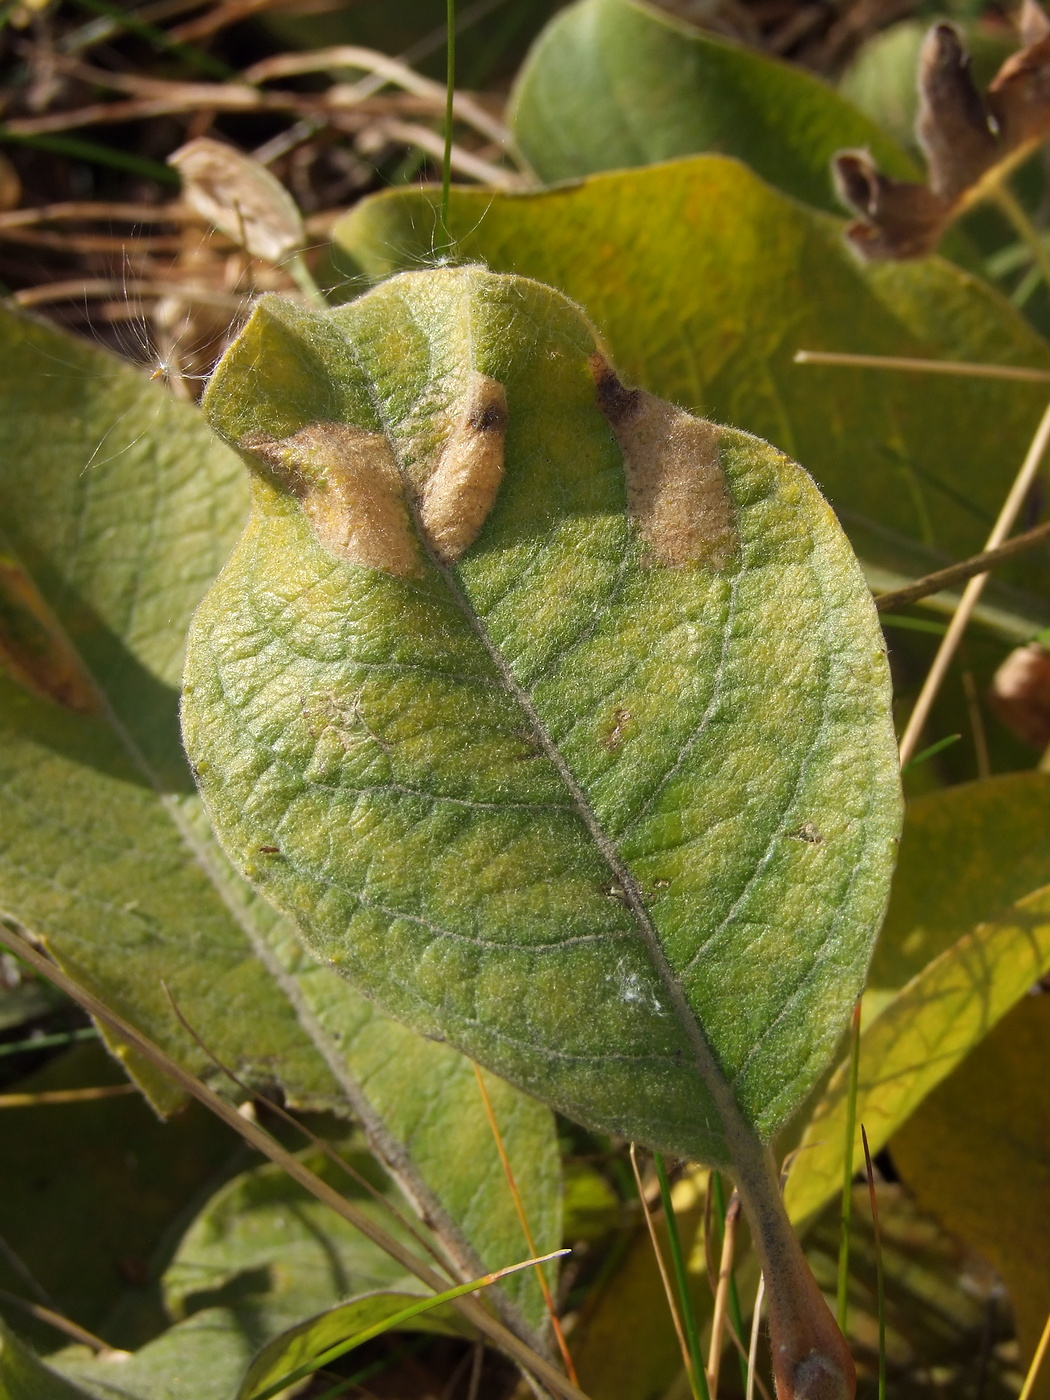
{"points": [[1004, 197], [880, 1282], [736, 1317], [1037, 1361], [980, 738], [306, 282], [965, 569], [725, 1274], [972, 592], [51, 1096], [42, 1042], [692, 1335], [916, 366], [256, 1137], [450, 94], [317, 1142], [847, 1170], [526, 1230], [665, 1279], [58, 1322], [756, 1327]]}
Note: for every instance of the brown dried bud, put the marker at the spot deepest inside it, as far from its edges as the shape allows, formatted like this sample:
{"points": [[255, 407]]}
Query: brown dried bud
{"points": [[952, 124], [1019, 96], [901, 219], [1020, 694], [240, 198], [1033, 23]]}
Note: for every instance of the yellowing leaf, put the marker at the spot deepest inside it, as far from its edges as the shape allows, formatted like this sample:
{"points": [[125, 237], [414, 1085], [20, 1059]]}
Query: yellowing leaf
{"points": [[967, 933], [977, 1156], [706, 304]]}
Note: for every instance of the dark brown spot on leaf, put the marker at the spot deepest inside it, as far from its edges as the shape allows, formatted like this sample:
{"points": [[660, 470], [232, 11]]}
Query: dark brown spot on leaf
{"points": [[676, 489], [614, 737], [34, 649], [808, 833]]}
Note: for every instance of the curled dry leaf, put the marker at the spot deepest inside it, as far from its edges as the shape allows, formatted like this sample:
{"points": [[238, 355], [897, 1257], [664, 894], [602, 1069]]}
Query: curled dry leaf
{"points": [[969, 141], [1020, 694], [240, 198]]}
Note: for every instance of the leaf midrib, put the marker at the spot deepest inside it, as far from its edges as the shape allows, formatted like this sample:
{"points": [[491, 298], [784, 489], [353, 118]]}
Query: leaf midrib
{"points": [[741, 1139]]}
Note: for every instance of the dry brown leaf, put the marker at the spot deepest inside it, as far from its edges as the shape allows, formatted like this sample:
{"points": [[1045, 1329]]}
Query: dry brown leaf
{"points": [[970, 142]]}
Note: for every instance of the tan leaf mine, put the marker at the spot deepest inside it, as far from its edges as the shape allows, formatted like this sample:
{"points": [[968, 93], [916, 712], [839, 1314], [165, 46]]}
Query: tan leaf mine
{"points": [[461, 489], [676, 489], [35, 651], [347, 481]]}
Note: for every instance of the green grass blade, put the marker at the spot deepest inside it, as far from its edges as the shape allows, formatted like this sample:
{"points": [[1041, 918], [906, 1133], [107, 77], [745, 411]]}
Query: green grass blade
{"points": [[936, 748], [95, 154], [397, 1320], [450, 93], [692, 1336], [202, 62]]}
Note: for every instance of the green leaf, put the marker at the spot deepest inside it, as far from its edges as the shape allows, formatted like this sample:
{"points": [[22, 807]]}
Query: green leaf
{"points": [[559, 716], [95, 1195], [309, 1339], [24, 1377], [611, 83], [707, 304], [200, 1359], [975, 1156], [118, 505], [267, 1250], [966, 935]]}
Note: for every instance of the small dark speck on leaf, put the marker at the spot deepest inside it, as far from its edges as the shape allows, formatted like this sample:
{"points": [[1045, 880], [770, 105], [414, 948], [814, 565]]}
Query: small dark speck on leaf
{"points": [[270, 850], [807, 832]]}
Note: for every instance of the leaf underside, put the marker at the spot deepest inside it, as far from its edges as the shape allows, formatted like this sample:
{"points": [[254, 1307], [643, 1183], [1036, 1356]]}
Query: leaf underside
{"points": [[618, 825]]}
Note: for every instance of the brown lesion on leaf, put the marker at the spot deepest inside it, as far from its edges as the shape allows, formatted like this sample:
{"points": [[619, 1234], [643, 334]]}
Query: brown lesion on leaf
{"points": [[676, 489], [346, 479], [970, 142], [34, 649], [807, 833], [613, 734], [461, 488]]}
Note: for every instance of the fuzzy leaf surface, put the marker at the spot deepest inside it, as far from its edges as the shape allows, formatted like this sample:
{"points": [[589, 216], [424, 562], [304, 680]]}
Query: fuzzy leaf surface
{"points": [[118, 507], [611, 84], [966, 935], [707, 304], [621, 831]]}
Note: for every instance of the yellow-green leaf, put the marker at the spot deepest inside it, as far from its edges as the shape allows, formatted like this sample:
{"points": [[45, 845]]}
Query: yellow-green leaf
{"points": [[707, 303], [967, 933], [977, 1156]]}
